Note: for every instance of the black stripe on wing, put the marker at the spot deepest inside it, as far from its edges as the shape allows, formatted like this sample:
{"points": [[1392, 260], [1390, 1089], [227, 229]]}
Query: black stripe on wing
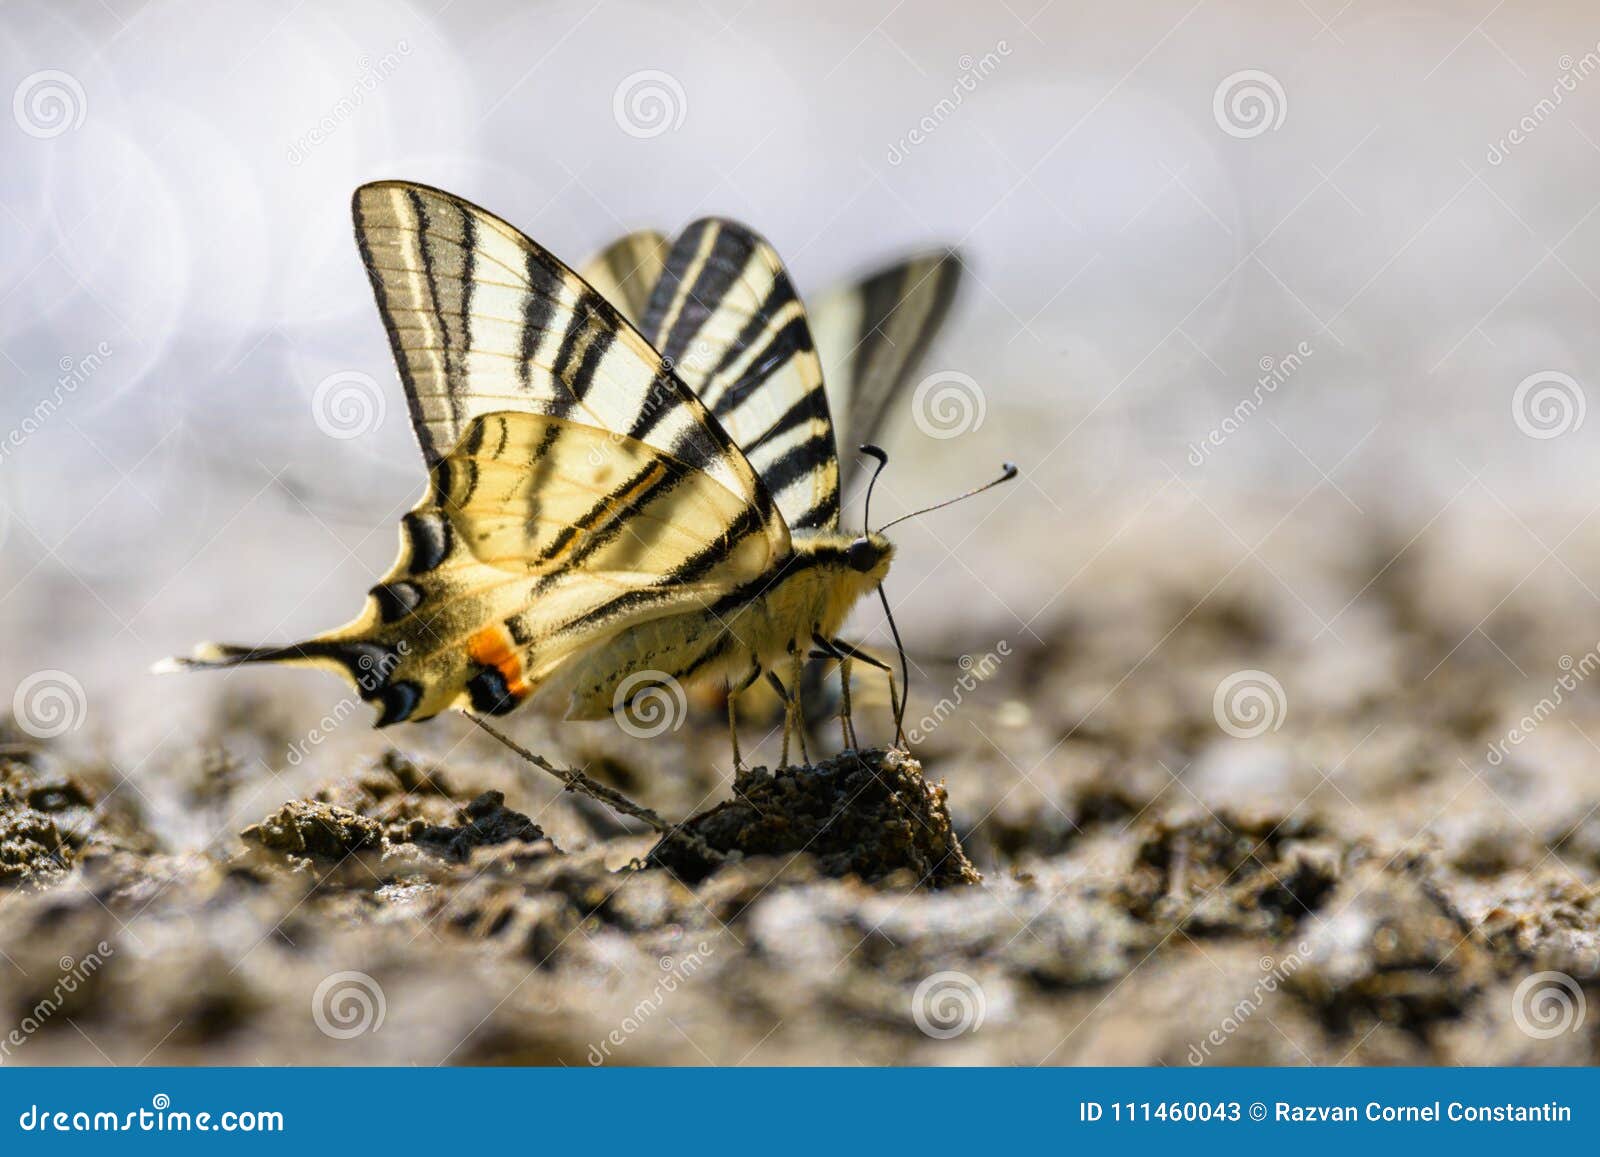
{"points": [[626, 271], [725, 314], [888, 321], [481, 319], [702, 267]]}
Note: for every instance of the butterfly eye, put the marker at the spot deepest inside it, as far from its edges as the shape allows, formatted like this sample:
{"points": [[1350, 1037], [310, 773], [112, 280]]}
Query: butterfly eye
{"points": [[862, 555]]}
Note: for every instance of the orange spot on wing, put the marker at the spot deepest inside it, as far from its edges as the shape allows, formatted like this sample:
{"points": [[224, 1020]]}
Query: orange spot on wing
{"points": [[492, 648]]}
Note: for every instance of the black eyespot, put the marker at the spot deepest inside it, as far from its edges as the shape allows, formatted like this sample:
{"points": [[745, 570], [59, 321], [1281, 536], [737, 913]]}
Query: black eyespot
{"points": [[862, 555]]}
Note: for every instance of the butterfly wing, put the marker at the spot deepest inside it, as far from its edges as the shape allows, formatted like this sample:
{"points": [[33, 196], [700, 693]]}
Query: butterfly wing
{"points": [[564, 535], [872, 335], [482, 320], [627, 270], [577, 486], [725, 313]]}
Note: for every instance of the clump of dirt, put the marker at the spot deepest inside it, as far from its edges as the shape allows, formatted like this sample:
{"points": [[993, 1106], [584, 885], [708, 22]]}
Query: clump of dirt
{"points": [[304, 827], [484, 822], [394, 803], [31, 847], [557, 910], [1231, 872], [47, 820], [1552, 921], [866, 814], [395, 791], [1393, 952]]}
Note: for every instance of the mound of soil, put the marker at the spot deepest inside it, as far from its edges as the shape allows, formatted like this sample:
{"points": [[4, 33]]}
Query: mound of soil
{"points": [[304, 827], [866, 814], [394, 804]]}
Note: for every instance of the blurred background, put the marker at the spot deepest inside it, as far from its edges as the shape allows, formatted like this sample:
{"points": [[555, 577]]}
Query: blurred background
{"points": [[1272, 303]]}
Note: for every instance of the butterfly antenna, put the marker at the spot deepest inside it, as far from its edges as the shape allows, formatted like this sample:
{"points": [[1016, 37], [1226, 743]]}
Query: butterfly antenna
{"points": [[882, 458], [1008, 471]]}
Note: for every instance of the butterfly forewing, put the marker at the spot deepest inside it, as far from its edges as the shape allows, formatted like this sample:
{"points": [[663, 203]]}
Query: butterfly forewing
{"points": [[725, 313], [482, 319]]}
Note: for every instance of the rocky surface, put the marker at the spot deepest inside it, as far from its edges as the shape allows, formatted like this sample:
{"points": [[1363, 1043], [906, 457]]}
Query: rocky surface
{"points": [[1095, 859]]}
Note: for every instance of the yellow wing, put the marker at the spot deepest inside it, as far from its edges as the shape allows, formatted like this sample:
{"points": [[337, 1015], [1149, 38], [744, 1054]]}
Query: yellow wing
{"points": [[581, 487]]}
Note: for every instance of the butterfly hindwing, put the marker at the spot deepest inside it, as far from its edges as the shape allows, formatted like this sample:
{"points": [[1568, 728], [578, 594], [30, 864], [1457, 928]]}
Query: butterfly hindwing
{"points": [[530, 494], [872, 335], [560, 536], [726, 315], [627, 270]]}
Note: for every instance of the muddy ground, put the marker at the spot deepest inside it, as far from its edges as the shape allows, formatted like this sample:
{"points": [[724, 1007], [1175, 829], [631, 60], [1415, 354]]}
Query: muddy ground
{"points": [[1100, 859]]}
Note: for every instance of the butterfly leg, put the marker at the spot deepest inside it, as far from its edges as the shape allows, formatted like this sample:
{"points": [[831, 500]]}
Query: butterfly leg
{"points": [[846, 724], [788, 716], [733, 728], [846, 651], [899, 713], [826, 649], [840, 649], [796, 669]]}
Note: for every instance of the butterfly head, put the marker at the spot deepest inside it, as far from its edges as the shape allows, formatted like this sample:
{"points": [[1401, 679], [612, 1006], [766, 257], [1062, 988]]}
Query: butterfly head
{"points": [[870, 555]]}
